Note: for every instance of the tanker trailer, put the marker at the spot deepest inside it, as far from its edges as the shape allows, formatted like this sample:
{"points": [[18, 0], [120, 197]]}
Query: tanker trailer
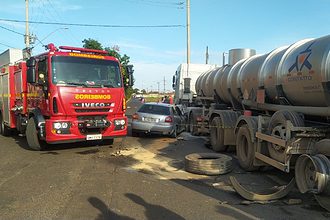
{"points": [[286, 125], [213, 103]]}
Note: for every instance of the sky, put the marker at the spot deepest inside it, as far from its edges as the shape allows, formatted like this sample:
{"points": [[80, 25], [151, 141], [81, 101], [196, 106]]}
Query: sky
{"points": [[156, 52]]}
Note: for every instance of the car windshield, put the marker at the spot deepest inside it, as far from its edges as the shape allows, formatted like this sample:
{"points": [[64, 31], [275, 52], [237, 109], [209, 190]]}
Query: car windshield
{"points": [[78, 71], [155, 109]]}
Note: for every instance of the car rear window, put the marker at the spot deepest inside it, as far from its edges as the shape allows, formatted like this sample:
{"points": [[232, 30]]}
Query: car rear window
{"points": [[155, 109]]}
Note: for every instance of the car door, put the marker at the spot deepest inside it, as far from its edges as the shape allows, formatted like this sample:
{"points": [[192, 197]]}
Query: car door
{"points": [[181, 119], [176, 119]]}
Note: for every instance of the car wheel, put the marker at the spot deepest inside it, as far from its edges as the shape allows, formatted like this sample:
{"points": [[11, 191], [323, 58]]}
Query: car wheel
{"points": [[135, 134]]}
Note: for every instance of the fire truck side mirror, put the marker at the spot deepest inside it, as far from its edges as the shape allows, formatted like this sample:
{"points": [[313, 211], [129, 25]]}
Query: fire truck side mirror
{"points": [[31, 71], [129, 71]]}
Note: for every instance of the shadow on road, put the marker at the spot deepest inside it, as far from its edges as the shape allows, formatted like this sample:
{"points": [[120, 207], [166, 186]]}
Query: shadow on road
{"points": [[22, 142], [153, 211], [106, 213]]}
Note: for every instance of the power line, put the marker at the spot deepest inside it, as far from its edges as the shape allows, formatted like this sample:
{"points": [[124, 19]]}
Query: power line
{"points": [[177, 5], [6, 45], [96, 25], [12, 30]]}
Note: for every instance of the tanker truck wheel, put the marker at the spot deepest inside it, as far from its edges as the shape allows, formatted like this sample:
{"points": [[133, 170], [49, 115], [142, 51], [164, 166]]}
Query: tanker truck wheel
{"points": [[277, 127], [245, 149], [193, 124], [4, 130], [216, 135], [32, 135]]}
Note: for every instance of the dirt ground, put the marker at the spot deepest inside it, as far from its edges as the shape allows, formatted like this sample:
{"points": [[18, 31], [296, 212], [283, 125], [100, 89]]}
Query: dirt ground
{"points": [[136, 178]]}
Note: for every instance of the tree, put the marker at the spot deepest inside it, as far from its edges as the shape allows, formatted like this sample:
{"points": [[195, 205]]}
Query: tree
{"points": [[115, 52], [92, 44]]}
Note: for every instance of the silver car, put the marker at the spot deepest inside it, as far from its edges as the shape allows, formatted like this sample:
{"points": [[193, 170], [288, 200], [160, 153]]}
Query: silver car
{"points": [[158, 118]]}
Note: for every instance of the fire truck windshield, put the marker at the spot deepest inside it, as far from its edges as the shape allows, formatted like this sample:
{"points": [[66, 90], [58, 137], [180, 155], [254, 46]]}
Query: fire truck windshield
{"points": [[79, 71]]}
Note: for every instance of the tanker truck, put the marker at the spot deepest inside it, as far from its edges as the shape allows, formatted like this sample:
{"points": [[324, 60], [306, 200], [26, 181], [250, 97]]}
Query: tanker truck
{"points": [[274, 107], [183, 78]]}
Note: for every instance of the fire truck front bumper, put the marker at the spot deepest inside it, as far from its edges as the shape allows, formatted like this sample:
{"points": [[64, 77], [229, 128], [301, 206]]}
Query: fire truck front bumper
{"points": [[84, 129]]}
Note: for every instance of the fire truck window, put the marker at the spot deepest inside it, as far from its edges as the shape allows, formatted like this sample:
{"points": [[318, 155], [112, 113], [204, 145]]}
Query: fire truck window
{"points": [[93, 72], [42, 71]]}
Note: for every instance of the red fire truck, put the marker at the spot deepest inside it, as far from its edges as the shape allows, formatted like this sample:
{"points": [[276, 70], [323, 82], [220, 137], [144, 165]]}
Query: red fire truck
{"points": [[66, 94]]}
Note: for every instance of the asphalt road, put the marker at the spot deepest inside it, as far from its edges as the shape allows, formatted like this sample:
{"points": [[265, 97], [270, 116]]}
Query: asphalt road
{"points": [[136, 178]]}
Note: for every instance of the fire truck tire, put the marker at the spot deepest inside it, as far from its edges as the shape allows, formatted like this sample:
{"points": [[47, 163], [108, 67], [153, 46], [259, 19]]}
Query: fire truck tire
{"points": [[216, 135], [245, 150], [4, 130], [32, 135]]}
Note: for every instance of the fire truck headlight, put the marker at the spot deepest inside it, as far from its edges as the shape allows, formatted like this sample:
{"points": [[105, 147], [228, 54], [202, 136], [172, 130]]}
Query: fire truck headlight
{"points": [[65, 125], [61, 125], [120, 122], [57, 125]]}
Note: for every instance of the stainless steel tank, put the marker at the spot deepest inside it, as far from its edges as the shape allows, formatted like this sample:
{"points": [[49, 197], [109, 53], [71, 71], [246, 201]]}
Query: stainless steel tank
{"points": [[220, 83], [247, 79], [267, 75], [208, 87], [304, 73], [199, 85], [238, 54], [232, 80]]}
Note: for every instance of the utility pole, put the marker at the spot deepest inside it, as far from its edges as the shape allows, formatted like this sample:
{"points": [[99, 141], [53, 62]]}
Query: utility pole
{"points": [[207, 55], [27, 50], [188, 35], [164, 85]]}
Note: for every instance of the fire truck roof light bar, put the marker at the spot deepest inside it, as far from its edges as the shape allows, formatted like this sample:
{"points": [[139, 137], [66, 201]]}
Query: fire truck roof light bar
{"points": [[83, 50]]}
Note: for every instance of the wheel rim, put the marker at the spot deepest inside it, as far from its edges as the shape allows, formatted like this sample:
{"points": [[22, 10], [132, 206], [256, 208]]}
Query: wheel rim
{"points": [[280, 132], [312, 173]]}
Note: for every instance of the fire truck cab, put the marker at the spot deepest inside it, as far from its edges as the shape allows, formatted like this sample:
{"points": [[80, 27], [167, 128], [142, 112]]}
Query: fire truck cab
{"points": [[66, 94]]}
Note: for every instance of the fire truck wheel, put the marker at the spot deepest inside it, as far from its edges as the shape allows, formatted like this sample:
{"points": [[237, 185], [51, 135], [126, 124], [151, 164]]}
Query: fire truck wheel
{"points": [[4, 130], [245, 149], [216, 135], [32, 135]]}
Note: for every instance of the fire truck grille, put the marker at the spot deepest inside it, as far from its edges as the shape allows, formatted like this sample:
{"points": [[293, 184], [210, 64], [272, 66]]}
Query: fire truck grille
{"points": [[92, 110]]}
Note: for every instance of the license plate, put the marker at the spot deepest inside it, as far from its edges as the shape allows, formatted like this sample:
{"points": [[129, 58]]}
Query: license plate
{"points": [[91, 137], [150, 120]]}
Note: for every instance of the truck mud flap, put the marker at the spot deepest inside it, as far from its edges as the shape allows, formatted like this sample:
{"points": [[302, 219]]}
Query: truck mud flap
{"points": [[323, 200], [246, 194]]}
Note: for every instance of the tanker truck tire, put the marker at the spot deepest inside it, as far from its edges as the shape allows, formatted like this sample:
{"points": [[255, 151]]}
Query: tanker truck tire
{"points": [[193, 125], [245, 149], [277, 127], [4, 130], [217, 135], [32, 136]]}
